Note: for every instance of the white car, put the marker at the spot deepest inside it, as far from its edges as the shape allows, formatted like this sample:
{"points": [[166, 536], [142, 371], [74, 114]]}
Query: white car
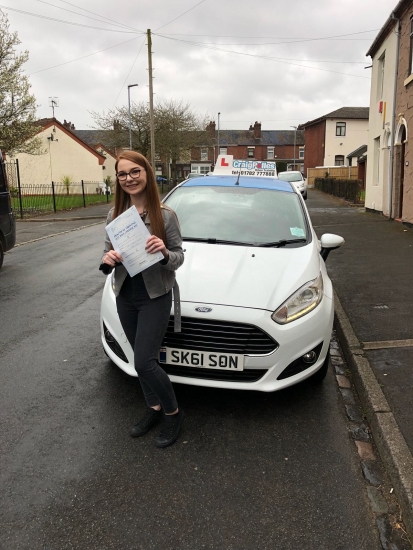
{"points": [[256, 300], [297, 179]]}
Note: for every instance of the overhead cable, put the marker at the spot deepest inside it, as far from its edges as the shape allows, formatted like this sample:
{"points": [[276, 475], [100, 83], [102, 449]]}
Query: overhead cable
{"points": [[276, 60], [67, 22], [182, 14]]}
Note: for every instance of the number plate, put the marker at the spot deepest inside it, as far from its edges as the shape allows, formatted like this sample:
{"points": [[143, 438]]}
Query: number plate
{"points": [[201, 359]]}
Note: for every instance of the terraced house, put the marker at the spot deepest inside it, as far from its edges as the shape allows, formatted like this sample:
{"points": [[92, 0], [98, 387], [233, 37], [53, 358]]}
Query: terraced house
{"points": [[389, 183], [286, 147]]}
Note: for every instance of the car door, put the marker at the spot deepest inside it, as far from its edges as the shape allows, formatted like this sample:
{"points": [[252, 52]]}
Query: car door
{"points": [[5, 205]]}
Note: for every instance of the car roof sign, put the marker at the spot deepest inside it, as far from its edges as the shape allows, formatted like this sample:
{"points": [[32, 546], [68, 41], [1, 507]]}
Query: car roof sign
{"points": [[226, 165]]}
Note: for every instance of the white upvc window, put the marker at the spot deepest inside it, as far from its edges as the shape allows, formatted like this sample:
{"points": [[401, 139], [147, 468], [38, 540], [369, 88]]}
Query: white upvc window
{"points": [[222, 150], [251, 151], [380, 84], [340, 129], [204, 153], [301, 152], [270, 152]]}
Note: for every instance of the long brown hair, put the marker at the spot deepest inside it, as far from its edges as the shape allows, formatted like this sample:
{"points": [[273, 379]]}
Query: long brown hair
{"points": [[153, 203]]}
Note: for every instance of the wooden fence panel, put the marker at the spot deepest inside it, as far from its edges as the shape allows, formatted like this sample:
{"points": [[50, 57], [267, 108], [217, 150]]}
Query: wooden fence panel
{"points": [[336, 172]]}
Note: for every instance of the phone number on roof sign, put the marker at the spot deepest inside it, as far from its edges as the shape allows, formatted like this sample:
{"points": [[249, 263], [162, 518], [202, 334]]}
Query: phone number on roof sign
{"points": [[252, 173]]}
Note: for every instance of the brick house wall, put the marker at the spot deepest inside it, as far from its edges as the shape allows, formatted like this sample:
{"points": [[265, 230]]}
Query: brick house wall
{"points": [[314, 145], [403, 157]]}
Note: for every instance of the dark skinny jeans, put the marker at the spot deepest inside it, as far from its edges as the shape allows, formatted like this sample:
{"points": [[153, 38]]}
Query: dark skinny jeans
{"points": [[144, 321]]}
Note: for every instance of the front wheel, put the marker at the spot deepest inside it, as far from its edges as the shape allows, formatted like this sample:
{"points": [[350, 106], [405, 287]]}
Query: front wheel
{"points": [[305, 196], [319, 376]]}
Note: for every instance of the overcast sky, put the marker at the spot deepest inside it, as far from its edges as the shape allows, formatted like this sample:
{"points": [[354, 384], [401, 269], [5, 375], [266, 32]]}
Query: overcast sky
{"points": [[192, 56]]}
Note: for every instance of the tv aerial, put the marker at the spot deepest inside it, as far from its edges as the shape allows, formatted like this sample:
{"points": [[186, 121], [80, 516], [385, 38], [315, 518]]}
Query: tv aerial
{"points": [[53, 102]]}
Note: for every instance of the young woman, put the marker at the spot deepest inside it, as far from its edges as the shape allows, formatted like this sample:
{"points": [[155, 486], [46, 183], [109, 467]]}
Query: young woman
{"points": [[144, 301]]}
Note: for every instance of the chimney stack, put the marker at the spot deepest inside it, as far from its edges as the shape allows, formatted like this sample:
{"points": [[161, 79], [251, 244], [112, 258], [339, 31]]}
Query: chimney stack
{"points": [[211, 129], [257, 130]]}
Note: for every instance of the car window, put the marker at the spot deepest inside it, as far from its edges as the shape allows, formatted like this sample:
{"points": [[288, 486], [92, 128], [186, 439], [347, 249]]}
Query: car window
{"points": [[238, 214], [290, 176], [3, 187]]}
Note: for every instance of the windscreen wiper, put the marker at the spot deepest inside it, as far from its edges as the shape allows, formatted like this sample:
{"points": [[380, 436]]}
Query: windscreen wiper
{"points": [[281, 243], [212, 240]]}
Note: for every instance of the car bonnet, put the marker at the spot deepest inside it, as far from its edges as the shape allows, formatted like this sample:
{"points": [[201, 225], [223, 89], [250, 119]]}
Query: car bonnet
{"points": [[241, 276]]}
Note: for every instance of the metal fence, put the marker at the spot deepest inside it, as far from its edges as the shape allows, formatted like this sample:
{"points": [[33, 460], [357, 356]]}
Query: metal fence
{"points": [[29, 201], [35, 200]]}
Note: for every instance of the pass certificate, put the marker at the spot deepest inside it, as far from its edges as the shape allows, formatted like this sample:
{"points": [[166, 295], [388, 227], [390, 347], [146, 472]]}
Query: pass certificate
{"points": [[128, 235]]}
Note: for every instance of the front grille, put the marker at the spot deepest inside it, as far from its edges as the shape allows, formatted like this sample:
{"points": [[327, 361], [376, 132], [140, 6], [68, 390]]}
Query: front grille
{"points": [[113, 344], [246, 375], [219, 336]]}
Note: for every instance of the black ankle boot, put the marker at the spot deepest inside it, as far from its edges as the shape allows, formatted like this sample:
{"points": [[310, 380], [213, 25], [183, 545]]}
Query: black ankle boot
{"points": [[171, 426], [151, 418]]}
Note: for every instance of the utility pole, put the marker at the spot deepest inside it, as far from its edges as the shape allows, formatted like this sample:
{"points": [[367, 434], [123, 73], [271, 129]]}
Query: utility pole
{"points": [[295, 140], [219, 114], [151, 117], [130, 123]]}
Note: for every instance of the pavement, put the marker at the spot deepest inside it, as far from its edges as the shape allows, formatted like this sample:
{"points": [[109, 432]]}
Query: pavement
{"points": [[372, 275]]}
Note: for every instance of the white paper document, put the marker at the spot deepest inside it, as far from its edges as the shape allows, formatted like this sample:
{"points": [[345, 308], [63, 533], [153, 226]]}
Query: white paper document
{"points": [[128, 235]]}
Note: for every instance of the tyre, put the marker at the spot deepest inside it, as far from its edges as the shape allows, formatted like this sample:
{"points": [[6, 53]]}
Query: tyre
{"points": [[1, 254], [305, 196], [319, 376]]}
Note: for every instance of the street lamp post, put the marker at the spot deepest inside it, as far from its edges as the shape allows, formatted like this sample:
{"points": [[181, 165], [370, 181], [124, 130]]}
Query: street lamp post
{"points": [[219, 114], [130, 124], [295, 140]]}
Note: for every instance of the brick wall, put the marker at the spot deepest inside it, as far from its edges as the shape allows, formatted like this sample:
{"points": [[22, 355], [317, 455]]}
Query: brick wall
{"points": [[403, 195], [314, 138]]}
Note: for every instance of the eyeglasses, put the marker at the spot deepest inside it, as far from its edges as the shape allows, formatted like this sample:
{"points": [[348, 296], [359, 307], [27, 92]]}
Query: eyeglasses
{"points": [[134, 174]]}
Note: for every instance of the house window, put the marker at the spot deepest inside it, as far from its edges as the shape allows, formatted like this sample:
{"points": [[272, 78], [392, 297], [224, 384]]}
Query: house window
{"points": [[301, 152], [411, 45], [340, 129], [270, 152], [251, 152], [222, 150], [205, 169], [380, 83], [339, 160], [204, 153]]}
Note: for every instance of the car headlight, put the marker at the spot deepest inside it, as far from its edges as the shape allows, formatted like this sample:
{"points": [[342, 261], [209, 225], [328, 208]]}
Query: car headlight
{"points": [[304, 300]]}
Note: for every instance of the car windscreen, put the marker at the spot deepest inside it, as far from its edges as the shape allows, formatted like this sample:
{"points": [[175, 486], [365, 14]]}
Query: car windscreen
{"points": [[290, 177], [238, 214]]}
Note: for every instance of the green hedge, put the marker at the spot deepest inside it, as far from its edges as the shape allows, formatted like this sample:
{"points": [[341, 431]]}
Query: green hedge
{"points": [[351, 190]]}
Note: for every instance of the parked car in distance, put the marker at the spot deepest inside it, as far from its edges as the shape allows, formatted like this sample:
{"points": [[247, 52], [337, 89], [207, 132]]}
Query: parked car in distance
{"points": [[257, 303], [194, 175], [297, 179]]}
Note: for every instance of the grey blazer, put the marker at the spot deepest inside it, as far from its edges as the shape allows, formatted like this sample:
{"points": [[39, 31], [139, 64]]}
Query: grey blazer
{"points": [[160, 277]]}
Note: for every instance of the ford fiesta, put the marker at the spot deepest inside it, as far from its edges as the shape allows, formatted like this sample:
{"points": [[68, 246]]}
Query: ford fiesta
{"points": [[256, 300]]}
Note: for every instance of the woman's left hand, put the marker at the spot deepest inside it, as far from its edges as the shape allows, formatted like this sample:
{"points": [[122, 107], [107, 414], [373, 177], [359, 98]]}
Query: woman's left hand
{"points": [[155, 244]]}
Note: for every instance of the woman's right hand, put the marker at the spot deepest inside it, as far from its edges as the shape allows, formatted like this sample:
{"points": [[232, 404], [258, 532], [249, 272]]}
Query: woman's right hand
{"points": [[112, 258]]}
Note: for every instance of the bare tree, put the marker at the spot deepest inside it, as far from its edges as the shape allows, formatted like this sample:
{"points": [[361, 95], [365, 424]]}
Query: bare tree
{"points": [[114, 126], [177, 129], [17, 106]]}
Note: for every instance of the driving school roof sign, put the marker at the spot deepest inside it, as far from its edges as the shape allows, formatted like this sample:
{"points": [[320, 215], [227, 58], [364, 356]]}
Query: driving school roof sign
{"points": [[227, 166]]}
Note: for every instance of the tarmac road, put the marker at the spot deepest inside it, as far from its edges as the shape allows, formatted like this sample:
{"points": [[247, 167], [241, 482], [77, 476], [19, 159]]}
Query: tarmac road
{"points": [[251, 470]]}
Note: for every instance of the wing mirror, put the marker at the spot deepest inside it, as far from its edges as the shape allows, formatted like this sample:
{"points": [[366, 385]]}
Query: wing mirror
{"points": [[328, 243]]}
